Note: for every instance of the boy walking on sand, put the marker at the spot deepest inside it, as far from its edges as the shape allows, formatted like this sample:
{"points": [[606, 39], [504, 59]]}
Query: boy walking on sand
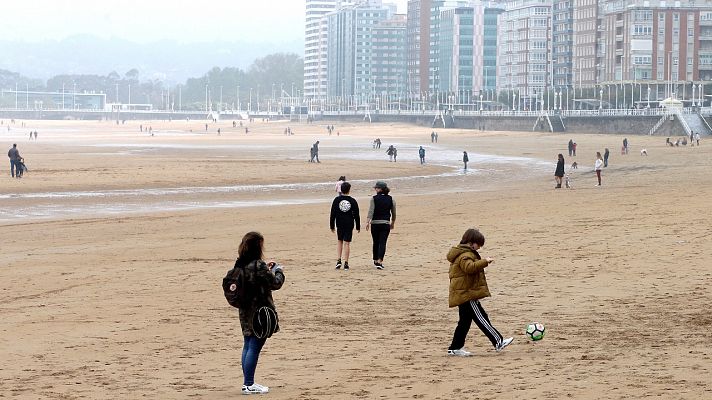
{"points": [[344, 213], [467, 286]]}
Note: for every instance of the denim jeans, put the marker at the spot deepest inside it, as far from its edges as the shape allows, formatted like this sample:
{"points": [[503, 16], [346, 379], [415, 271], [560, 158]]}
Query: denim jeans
{"points": [[250, 355]]}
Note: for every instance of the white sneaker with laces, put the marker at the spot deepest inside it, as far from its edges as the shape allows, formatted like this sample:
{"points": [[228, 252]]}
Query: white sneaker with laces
{"points": [[506, 342], [255, 388], [459, 352]]}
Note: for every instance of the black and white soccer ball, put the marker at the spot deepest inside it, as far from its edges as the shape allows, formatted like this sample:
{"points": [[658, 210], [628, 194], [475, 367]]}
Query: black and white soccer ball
{"points": [[535, 331]]}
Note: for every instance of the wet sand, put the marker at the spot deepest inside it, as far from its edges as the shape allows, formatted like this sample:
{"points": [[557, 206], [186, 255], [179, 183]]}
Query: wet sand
{"points": [[127, 304]]}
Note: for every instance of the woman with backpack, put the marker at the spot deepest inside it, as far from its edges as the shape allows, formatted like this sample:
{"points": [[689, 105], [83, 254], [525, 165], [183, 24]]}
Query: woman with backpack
{"points": [[258, 317]]}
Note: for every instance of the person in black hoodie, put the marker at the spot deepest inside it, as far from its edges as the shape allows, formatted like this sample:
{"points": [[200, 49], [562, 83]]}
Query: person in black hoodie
{"points": [[344, 213], [381, 219]]}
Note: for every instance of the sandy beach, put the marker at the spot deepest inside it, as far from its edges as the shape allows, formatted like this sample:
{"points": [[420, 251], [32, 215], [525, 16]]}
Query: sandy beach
{"points": [[115, 244]]}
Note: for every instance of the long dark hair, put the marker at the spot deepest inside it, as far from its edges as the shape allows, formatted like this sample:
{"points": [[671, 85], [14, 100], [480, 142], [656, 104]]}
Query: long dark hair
{"points": [[561, 157], [250, 248]]}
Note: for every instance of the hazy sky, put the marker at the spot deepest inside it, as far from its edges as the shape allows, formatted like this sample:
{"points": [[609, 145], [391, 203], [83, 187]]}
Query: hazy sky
{"points": [[151, 20]]}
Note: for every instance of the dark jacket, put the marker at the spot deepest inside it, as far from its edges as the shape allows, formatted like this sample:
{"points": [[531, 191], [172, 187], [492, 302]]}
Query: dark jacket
{"points": [[14, 154], [259, 283], [382, 208], [465, 158], [467, 275], [559, 168], [344, 211]]}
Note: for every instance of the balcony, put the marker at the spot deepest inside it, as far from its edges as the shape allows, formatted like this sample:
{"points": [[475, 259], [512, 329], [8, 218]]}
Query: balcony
{"points": [[705, 22]]}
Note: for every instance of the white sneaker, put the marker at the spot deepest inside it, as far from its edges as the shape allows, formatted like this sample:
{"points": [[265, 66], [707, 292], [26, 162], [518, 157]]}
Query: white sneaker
{"points": [[506, 342], [459, 352], [255, 389]]}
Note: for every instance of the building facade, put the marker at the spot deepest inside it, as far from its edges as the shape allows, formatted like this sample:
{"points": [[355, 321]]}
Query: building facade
{"points": [[350, 50], [525, 50], [562, 42], [666, 47], [418, 46], [388, 57], [315, 47]]}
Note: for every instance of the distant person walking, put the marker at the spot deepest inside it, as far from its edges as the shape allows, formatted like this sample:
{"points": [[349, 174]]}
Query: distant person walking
{"points": [[697, 138], [574, 148], [390, 151], [315, 153], [381, 219], [436, 137], [559, 173], [395, 155], [465, 159], [432, 137], [597, 166], [35, 135], [571, 147], [625, 145], [468, 285], [260, 279], [606, 153], [421, 153], [344, 215], [14, 155]]}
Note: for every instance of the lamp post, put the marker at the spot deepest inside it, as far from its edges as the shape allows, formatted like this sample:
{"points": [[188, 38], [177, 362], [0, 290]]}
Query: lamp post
{"points": [[700, 93], [648, 102], [600, 99], [694, 100], [480, 102]]}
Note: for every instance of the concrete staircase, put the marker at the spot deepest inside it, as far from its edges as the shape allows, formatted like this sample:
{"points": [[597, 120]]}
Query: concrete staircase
{"points": [[556, 123], [696, 123]]}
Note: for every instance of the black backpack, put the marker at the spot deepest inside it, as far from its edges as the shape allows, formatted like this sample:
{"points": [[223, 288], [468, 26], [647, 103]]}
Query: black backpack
{"points": [[234, 287]]}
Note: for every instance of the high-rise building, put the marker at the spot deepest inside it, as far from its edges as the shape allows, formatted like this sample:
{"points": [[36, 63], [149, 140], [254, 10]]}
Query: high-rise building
{"points": [[388, 57], [418, 45], [587, 43], [455, 50], [562, 42], [315, 46], [486, 42], [525, 50], [350, 50], [434, 61]]}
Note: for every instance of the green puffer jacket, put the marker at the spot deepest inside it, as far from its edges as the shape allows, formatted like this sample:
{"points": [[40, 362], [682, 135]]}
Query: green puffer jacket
{"points": [[467, 275]]}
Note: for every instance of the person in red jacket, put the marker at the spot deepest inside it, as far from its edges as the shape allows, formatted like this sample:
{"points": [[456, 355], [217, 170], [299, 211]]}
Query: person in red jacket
{"points": [[468, 286]]}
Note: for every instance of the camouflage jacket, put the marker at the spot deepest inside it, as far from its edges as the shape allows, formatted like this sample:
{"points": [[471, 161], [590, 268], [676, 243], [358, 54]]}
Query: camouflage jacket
{"points": [[259, 283]]}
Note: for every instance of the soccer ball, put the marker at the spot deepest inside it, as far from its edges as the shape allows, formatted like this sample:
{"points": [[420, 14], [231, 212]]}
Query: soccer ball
{"points": [[535, 331]]}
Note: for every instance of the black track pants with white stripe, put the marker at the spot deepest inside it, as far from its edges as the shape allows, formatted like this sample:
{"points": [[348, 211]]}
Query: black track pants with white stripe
{"points": [[473, 311]]}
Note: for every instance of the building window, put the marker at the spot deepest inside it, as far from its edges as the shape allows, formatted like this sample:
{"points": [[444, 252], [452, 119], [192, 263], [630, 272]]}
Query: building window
{"points": [[642, 30]]}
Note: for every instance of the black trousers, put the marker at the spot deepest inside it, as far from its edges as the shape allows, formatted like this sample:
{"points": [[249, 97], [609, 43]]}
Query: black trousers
{"points": [[379, 233], [473, 311]]}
